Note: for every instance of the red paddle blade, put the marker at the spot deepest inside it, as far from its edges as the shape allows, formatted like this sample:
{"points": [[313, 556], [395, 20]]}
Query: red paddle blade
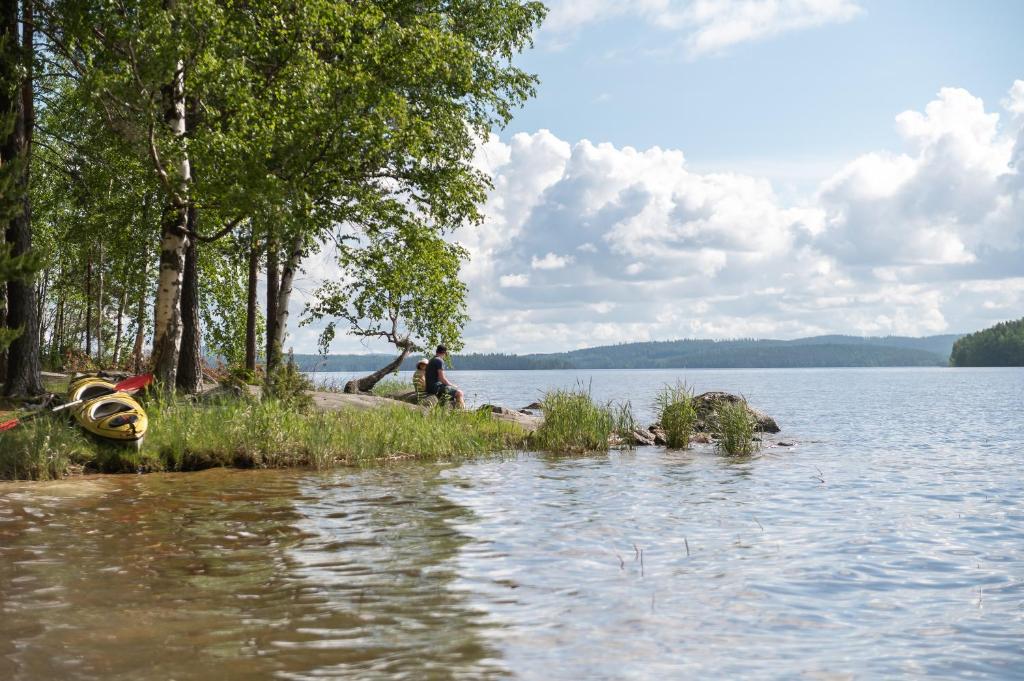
{"points": [[7, 425], [135, 382]]}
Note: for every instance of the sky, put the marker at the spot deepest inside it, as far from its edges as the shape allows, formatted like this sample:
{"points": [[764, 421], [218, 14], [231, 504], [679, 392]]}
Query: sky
{"points": [[751, 168]]}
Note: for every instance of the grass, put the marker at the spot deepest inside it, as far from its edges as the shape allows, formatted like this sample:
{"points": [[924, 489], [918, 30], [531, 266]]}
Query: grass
{"points": [[677, 415], [574, 423], [42, 449], [735, 428], [243, 433]]}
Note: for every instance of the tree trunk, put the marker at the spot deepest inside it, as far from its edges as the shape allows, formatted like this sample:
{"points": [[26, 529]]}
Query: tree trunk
{"points": [[167, 313], [140, 326], [99, 312], [88, 308], [250, 305], [3, 325], [122, 303], [366, 383], [273, 291], [190, 362], [23, 368], [283, 296]]}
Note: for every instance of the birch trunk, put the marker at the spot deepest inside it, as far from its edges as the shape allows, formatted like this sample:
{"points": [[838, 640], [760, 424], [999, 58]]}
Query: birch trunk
{"points": [[250, 304], [291, 264], [167, 310]]}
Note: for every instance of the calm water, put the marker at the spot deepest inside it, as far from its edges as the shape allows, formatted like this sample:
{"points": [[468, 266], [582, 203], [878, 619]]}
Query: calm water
{"points": [[888, 543]]}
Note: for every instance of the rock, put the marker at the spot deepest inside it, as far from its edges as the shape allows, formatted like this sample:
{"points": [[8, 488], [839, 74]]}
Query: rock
{"points": [[642, 438], [533, 406], [700, 439], [359, 401], [785, 444], [659, 435], [706, 403]]}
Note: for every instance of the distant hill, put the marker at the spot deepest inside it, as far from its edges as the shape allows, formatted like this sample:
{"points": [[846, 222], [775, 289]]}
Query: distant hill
{"points": [[819, 351], [1001, 345]]}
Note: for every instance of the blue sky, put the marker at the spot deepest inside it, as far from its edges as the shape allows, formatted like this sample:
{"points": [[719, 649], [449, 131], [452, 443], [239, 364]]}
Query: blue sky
{"points": [[767, 168]]}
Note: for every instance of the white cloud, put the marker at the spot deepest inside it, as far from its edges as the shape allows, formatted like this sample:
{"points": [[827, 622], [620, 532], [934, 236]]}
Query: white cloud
{"points": [[550, 261], [587, 243], [513, 280], [705, 26], [894, 242]]}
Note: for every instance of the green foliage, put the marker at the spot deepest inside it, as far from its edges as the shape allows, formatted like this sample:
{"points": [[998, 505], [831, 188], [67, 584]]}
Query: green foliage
{"points": [[1001, 345], [307, 120], [735, 428], [574, 423], [402, 285], [677, 415]]}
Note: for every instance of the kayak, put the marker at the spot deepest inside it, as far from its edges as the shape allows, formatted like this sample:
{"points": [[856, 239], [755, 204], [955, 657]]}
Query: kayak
{"points": [[107, 412]]}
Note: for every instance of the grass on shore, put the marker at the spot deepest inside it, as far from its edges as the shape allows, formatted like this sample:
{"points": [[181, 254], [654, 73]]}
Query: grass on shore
{"points": [[248, 434]]}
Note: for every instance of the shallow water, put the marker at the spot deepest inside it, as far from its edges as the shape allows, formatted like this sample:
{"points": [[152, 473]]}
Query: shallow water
{"points": [[888, 543]]}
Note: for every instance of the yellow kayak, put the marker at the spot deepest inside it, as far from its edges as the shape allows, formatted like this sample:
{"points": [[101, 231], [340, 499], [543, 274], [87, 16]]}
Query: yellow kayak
{"points": [[107, 412]]}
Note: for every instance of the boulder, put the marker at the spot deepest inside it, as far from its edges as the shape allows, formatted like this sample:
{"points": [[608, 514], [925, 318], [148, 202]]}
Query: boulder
{"points": [[706, 404]]}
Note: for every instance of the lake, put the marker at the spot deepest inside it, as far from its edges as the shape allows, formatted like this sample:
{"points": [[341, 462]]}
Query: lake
{"points": [[888, 543]]}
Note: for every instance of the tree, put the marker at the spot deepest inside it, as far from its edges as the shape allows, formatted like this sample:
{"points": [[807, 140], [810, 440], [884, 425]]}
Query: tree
{"points": [[402, 287], [304, 119], [22, 376]]}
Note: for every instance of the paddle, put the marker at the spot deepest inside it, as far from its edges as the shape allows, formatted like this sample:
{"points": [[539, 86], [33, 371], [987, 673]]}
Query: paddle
{"points": [[128, 384]]}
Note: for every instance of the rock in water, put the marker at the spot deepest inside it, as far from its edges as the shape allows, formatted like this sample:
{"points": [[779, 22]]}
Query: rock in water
{"points": [[706, 404]]}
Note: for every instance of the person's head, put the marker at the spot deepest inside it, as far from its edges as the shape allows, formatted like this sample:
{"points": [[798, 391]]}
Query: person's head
{"points": [[422, 364], [441, 351]]}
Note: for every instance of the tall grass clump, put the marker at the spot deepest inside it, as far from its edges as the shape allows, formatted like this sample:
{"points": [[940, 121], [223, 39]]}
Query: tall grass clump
{"points": [[574, 423], [677, 414], [735, 428], [42, 449]]}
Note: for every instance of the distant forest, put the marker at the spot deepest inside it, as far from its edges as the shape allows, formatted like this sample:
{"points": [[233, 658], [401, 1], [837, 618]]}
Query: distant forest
{"points": [[819, 351], [999, 346]]}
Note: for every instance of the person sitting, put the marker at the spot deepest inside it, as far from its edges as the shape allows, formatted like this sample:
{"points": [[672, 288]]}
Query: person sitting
{"points": [[419, 379], [438, 384]]}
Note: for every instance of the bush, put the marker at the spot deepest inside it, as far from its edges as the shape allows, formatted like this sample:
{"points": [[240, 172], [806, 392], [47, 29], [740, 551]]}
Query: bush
{"points": [[290, 386], [574, 423], [677, 414], [735, 428]]}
